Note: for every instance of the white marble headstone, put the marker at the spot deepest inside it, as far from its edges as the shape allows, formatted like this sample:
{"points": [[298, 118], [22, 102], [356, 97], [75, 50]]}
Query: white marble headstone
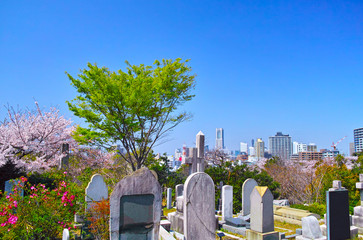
{"points": [[65, 234], [227, 202], [247, 189]]}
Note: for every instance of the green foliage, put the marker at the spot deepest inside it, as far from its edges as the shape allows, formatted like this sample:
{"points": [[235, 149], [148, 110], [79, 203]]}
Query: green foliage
{"points": [[43, 212], [235, 175], [317, 208], [133, 107]]}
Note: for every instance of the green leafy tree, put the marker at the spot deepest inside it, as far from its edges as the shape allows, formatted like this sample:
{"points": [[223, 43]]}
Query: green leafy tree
{"points": [[135, 107]]}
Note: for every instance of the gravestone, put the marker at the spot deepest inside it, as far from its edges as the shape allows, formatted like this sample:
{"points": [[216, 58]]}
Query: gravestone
{"points": [[179, 190], [135, 207], [64, 161], [262, 218], [337, 216], [227, 202], [11, 184], [96, 190], [357, 218], [168, 198], [65, 235], [310, 229], [199, 207], [247, 189]]}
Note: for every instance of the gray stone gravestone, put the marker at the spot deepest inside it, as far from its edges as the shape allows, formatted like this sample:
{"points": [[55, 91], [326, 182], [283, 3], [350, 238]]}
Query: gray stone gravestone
{"points": [[357, 218], [247, 189], [337, 216], [310, 229], [64, 161], [199, 207], [227, 202], [10, 184], [135, 207], [179, 190], [262, 217], [96, 190], [168, 198], [65, 235]]}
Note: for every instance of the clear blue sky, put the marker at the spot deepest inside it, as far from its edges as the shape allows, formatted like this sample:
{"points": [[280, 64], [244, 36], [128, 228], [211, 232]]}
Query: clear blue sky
{"points": [[262, 66]]}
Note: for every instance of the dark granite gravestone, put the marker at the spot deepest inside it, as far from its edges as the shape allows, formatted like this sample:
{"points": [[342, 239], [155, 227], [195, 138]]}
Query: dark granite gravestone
{"points": [[337, 206], [137, 216]]}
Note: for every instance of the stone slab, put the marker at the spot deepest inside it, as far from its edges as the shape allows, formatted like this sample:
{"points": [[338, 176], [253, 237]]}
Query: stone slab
{"points": [[176, 222], [199, 207], [247, 189], [236, 222], [359, 185], [227, 202], [253, 235], [164, 234], [165, 224], [233, 229]]}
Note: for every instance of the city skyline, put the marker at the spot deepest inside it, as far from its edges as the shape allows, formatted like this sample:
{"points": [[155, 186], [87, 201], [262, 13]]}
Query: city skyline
{"points": [[261, 67]]}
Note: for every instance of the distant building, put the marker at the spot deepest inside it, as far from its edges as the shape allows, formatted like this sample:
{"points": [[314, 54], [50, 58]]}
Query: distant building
{"points": [[312, 147], [259, 148], [280, 145], [219, 138], [253, 142], [308, 156], [302, 147], [243, 147], [330, 153], [178, 154], [358, 140], [252, 151], [294, 147], [351, 149]]}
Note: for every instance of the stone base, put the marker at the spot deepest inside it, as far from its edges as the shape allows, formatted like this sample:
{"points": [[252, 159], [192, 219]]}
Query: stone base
{"points": [[237, 230], [252, 235], [357, 221], [177, 222], [235, 222], [304, 238], [353, 231]]}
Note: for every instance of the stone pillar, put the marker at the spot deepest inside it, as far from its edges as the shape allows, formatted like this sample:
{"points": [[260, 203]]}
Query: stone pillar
{"points": [[357, 218], [262, 217], [64, 161], [168, 198], [193, 160], [337, 212], [199, 207], [65, 235], [227, 202], [247, 189], [200, 151]]}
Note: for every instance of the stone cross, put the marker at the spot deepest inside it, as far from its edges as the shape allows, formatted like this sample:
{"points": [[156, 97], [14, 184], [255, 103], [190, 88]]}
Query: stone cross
{"points": [[262, 217], [337, 212], [199, 207], [359, 185], [168, 198], [64, 161], [135, 207], [96, 190], [247, 189], [357, 218], [227, 202]]}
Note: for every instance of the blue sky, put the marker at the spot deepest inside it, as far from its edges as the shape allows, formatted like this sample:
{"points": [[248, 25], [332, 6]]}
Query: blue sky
{"points": [[261, 66]]}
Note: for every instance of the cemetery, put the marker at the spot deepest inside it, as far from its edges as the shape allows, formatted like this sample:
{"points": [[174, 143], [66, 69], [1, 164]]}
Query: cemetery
{"points": [[139, 207]]}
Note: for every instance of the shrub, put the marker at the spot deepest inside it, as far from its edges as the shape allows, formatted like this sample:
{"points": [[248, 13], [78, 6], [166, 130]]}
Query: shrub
{"points": [[99, 215]]}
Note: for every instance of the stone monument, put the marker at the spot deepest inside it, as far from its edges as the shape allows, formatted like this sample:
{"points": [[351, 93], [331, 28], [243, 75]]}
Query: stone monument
{"points": [[199, 207], [262, 218], [96, 190], [247, 189], [310, 229], [64, 161], [65, 235], [357, 218], [168, 198], [135, 207]]}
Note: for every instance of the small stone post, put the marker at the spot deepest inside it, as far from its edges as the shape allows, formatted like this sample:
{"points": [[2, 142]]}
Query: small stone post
{"points": [[168, 198]]}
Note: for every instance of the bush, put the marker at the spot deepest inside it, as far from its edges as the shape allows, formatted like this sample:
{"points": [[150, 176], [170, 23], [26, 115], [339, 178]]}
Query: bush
{"points": [[317, 208], [42, 213], [99, 216]]}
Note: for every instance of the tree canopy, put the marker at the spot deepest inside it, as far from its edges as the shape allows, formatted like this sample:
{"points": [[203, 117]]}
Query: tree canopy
{"points": [[135, 107]]}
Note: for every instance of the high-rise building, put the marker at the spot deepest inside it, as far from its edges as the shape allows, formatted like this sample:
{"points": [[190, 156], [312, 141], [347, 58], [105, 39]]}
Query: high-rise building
{"points": [[280, 146], [219, 138], [294, 147], [251, 151], [243, 147], [302, 147], [311, 147], [358, 140], [260, 148], [253, 142]]}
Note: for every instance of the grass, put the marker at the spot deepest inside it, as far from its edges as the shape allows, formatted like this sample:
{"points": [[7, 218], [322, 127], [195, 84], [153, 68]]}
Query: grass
{"points": [[291, 227], [166, 211]]}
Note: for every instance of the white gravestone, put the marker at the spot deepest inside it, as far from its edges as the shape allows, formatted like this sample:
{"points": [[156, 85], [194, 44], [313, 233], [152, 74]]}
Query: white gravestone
{"points": [[65, 234], [310, 229], [96, 189], [227, 202], [247, 189], [199, 207]]}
